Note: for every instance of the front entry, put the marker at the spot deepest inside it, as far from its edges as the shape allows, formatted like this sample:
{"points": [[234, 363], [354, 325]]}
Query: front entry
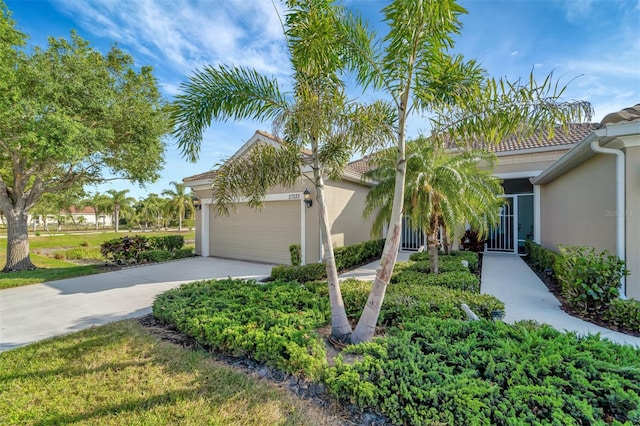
{"points": [[515, 226]]}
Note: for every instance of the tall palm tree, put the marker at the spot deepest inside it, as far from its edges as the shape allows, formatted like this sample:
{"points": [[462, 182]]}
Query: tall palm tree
{"points": [[443, 190], [100, 203], [120, 203], [315, 115], [179, 201]]}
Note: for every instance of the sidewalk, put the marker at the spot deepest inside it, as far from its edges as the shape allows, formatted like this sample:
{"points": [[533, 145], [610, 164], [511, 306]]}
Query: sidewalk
{"points": [[526, 297]]}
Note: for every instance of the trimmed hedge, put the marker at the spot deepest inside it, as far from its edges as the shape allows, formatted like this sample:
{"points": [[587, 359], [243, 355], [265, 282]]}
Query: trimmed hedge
{"points": [[166, 242], [346, 257], [542, 258], [140, 249]]}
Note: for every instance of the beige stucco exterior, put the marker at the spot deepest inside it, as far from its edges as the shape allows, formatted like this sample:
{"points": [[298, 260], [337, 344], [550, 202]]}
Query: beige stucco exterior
{"points": [[578, 207], [535, 160], [632, 170]]}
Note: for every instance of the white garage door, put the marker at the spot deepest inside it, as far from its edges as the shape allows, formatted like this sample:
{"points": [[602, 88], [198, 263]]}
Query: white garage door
{"points": [[264, 235]]}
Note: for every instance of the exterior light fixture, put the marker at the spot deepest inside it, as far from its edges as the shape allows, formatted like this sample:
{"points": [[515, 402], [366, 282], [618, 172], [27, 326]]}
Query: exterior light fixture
{"points": [[196, 203], [307, 198]]}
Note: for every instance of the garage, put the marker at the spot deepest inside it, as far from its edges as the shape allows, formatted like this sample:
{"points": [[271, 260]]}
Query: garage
{"points": [[263, 236]]}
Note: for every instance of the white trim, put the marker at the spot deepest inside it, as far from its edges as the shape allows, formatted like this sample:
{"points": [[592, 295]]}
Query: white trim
{"points": [[303, 237], [537, 231], [516, 175], [283, 196], [200, 184], [204, 232]]}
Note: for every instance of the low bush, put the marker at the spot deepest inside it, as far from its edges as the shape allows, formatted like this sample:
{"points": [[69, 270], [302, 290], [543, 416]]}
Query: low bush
{"points": [[125, 250], [406, 302], [84, 253], [450, 372], [346, 257], [295, 250], [301, 273], [150, 256], [624, 313], [273, 323], [589, 280], [456, 280], [166, 242], [455, 257], [542, 258], [183, 253]]}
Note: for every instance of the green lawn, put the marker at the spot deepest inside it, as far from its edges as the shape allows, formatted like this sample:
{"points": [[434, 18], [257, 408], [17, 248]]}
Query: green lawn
{"points": [[119, 374], [44, 249]]}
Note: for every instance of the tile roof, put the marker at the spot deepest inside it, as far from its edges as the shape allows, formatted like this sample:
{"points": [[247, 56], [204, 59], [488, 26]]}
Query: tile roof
{"points": [[561, 139], [201, 176], [627, 114]]}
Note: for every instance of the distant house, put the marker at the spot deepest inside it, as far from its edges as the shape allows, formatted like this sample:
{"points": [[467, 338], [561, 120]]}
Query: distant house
{"points": [[559, 189]]}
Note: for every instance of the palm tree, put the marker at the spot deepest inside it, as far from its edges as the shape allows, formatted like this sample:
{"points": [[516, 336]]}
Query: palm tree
{"points": [[100, 203], [413, 66], [443, 190], [179, 201], [316, 115], [119, 203]]}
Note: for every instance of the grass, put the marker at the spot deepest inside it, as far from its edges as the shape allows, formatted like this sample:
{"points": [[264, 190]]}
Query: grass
{"points": [[119, 374], [79, 246]]}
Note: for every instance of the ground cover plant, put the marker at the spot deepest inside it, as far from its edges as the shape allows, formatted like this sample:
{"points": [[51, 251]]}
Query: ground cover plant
{"points": [[68, 255], [428, 365], [120, 374]]}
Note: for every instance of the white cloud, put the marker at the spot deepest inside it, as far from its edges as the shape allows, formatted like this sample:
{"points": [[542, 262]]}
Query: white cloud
{"points": [[514, 53]]}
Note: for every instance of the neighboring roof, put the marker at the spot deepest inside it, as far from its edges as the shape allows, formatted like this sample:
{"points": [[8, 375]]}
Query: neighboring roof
{"points": [[201, 176], [615, 125], [627, 114], [541, 140], [84, 210]]}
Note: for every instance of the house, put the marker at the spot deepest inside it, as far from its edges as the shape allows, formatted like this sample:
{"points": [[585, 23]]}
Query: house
{"points": [[565, 188], [591, 195], [265, 235]]}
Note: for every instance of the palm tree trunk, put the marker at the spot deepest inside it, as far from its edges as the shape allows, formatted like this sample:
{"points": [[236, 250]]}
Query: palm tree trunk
{"points": [[432, 244], [340, 326], [18, 258], [366, 327]]}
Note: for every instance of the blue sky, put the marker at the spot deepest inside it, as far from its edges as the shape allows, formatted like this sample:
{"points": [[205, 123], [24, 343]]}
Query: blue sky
{"points": [[594, 41]]}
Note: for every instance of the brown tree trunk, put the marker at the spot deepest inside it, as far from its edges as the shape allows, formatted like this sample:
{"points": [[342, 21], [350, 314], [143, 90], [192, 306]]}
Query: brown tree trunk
{"points": [[18, 258], [432, 244]]}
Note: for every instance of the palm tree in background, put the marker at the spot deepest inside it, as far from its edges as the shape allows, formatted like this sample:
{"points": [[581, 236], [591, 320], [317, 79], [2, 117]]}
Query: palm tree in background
{"points": [[443, 191], [120, 204], [180, 202]]}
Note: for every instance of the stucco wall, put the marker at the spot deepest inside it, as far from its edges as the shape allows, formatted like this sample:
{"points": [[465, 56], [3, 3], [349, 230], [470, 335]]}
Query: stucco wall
{"points": [[578, 208], [534, 161], [633, 220]]}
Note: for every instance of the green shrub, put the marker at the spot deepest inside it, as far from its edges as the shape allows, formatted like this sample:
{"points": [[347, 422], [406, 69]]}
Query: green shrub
{"points": [[452, 372], [296, 254], [624, 313], [302, 273], [589, 280], [125, 250], [542, 258], [356, 254], [457, 280], [273, 323], [454, 258], [167, 242], [84, 253], [155, 256], [183, 253], [407, 302], [346, 257]]}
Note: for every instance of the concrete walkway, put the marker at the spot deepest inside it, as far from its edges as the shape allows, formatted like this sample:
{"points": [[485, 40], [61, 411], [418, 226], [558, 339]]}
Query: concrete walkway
{"points": [[526, 297], [35, 312]]}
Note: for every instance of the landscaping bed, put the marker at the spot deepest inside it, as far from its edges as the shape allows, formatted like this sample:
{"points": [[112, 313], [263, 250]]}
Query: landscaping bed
{"points": [[428, 365]]}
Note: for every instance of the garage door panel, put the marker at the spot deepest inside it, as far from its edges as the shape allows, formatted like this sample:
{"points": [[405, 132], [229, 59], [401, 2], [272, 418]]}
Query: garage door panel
{"points": [[263, 235]]}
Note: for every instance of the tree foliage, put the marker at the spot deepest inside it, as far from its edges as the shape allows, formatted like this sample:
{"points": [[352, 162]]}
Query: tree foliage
{"points": [[71, 115]]}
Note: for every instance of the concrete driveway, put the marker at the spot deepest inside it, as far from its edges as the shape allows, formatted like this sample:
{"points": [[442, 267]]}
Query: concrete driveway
{"points": [[39, 311]]}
